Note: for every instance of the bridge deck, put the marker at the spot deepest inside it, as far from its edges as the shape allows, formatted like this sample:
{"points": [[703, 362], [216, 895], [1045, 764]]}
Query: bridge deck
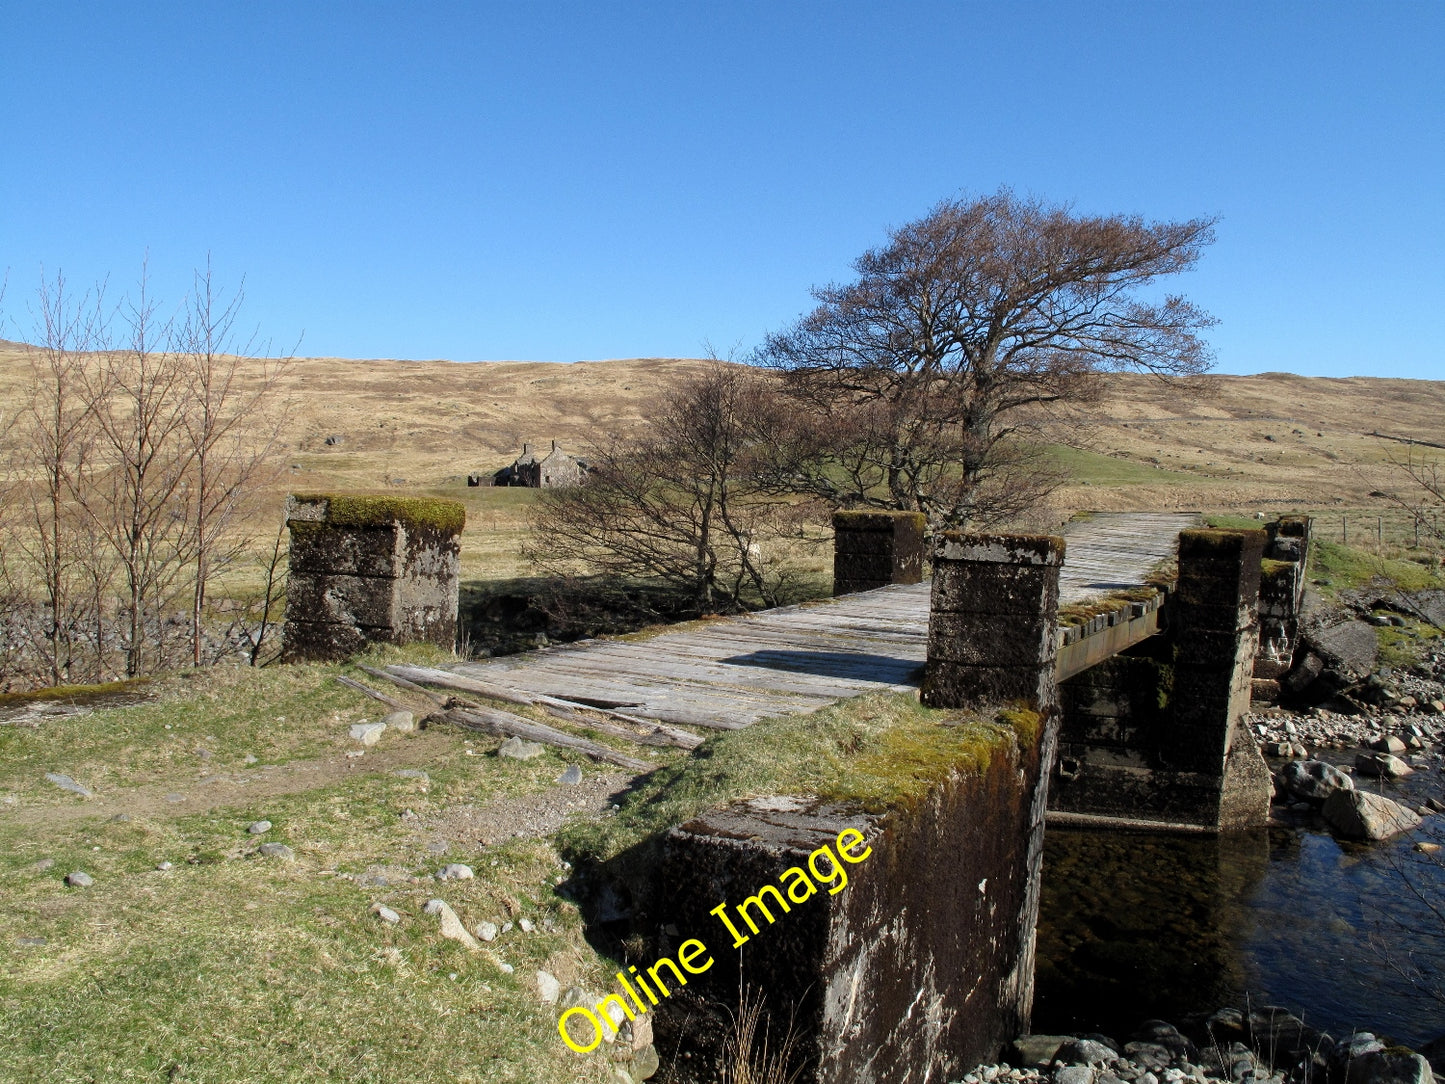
{"points": [[730, 672]]}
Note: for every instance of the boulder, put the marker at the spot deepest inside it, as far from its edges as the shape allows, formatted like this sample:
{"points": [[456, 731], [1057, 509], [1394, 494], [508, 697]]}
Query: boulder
{"points": [[517, 749], [1357, 814], [1390, 1066], [368, 734], [1331, 658], [1381, 765], [64, 782], [403, 722], [1036, 1051], [1388, 744], [451, 926], [1430, 605], [1313, 780], [1086, 1052]]}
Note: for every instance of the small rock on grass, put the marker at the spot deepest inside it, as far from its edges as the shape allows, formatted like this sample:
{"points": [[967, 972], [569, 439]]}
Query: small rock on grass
{"points": [[276, 850], [517, 749], [412, 773], [165, 867], [572, 776], [44, 864], [401, 721], [386, 914], [79, 879], [487, 931], [256, 828], [525, 924], [456, 872], [452, 927], [64, 782], [548, 988], [368, 734]]}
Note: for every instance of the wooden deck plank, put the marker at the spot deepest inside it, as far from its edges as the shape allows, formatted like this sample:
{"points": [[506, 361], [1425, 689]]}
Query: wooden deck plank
{"points": [[795, 659]]}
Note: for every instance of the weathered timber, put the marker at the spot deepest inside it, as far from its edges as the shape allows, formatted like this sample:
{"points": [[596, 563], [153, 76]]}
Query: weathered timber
{"points": [[411, 685], [504, 724], [652, 732], [366, 690]]}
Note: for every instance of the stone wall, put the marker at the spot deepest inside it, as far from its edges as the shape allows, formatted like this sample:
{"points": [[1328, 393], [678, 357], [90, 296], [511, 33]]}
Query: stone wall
{"points": [[875, 549], [370, 569]]}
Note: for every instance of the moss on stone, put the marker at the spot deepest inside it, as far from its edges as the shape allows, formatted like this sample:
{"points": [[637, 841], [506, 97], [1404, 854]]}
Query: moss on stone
{"points": [[861, 520], [1271, 570], [1080, 613], [416, 513], [874, 752], [910, 760], [73, 692], [1221, 541]]}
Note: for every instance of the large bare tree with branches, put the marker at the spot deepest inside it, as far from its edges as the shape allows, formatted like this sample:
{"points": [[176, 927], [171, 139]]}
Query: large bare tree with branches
{"points": [[922, 380]]}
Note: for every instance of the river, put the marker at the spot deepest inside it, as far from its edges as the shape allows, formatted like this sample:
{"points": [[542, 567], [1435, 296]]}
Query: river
{"points": [[1139, 926]]}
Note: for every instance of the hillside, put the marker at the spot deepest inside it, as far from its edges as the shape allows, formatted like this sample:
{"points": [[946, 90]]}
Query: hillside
{"points": [[1271, 441]]}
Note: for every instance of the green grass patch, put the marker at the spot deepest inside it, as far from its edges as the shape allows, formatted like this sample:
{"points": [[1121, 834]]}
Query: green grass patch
{"points": [[1405, 647], [1345, 567], [1232, 522], [1098, 469], [236, 967], [874, 752]]}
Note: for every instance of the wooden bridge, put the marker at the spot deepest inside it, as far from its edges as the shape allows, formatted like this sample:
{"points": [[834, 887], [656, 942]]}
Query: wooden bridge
{"points": [[727, 673]]}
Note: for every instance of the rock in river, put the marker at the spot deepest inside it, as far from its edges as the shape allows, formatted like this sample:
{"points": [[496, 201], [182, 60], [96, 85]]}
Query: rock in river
{"points": [[1357, 814]]}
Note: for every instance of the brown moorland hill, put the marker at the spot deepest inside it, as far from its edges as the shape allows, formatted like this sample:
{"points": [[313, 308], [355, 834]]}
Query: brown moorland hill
{"points": [[1269, 440]]}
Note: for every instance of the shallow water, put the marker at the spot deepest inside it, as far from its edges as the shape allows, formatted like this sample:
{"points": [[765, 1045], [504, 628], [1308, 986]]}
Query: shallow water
{"points": [[1136, 926]]}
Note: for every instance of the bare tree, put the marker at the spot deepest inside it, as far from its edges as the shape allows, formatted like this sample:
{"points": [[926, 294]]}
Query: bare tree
{"points": [[925, 378], [51, 463], [1423, 494], [232, 427], [140, 398], [679, 505]]}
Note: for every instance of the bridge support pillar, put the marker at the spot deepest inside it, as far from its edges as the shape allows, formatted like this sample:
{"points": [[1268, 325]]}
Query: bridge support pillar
{"points": [[875, 549], [370, 570], [1154, 736], [1281, 602], [1216, 635], [993, 620]]}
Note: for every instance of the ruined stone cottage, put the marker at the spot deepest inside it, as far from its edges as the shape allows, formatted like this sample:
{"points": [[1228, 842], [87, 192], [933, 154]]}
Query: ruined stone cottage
{"points": [[553, 471]]}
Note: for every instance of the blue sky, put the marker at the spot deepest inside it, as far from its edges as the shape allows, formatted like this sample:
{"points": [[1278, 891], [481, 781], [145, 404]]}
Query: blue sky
{"points": [[565, 181]]}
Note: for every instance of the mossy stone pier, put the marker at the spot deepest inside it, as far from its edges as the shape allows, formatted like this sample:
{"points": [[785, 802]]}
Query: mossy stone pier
{"points": [[918, 970], [875, 549], [370, 570]]}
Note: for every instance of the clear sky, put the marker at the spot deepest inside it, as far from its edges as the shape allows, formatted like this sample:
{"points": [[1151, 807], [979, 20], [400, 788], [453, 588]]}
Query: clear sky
{"points": [[564, 181]]}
